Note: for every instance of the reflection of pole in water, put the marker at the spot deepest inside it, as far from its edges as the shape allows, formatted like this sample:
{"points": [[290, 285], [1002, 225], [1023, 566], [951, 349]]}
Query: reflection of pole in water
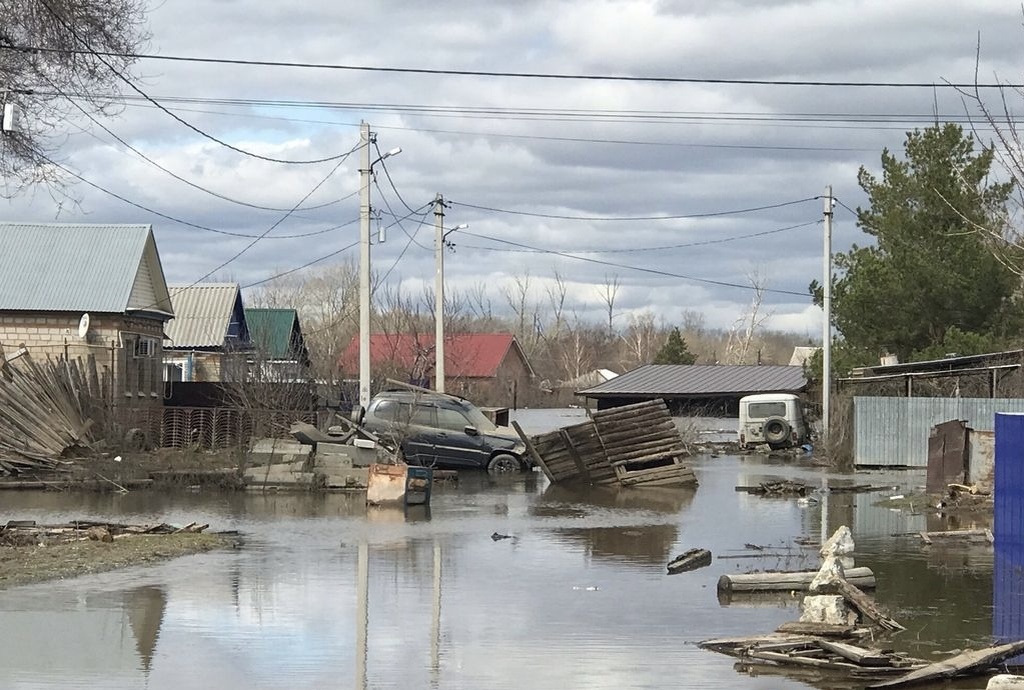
{"points": [[435, 632], [362, 617], [823, 506]]}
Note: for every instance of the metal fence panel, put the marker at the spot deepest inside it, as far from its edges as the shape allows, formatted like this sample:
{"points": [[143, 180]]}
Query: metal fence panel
{"points": [[893, 432]]}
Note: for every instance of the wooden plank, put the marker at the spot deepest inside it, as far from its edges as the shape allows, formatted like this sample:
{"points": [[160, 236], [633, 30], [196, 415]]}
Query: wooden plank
{"points": [[858, 655], [968, 534], [964, 663], [863, 603], [533, 452], [821, 629], [799, 580], [577, 460]]}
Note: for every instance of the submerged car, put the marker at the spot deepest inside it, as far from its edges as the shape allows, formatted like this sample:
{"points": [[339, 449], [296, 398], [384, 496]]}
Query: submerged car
{"points": [[443, 431]]}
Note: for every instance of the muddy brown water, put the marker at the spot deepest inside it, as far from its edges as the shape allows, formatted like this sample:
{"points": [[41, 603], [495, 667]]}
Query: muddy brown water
{"points": [[327, 593]]}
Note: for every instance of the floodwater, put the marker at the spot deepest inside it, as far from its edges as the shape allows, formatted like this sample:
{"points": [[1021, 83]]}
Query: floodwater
{"points": [[326, 593]]}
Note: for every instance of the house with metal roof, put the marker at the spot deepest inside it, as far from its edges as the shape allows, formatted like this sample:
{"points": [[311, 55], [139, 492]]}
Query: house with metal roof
{"points": [[489, 368], [208, 339], [686, 388], [279, 349], [80, 290]]}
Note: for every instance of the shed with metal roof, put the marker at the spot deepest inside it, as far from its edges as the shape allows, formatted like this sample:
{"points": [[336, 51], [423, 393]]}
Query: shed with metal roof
{"points": [[208, 336], [696, 387]]}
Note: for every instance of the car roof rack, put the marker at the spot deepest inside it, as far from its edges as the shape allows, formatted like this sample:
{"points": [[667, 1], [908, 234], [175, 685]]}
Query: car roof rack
{"points": [[420, 389]]}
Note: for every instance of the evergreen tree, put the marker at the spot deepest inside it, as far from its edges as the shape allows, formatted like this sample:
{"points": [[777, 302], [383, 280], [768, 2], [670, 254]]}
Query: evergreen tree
{"points": [[674, 351]]}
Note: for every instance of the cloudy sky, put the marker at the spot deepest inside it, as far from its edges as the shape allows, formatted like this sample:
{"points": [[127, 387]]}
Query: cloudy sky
{"points": [[642, 181]]}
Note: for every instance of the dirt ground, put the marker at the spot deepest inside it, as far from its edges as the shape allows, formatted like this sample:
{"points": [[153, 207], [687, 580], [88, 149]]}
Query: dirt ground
{"points": [[21, 565]]}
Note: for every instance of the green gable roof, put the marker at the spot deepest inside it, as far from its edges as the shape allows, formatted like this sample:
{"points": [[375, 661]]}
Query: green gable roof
{"points": [[273, 332]]}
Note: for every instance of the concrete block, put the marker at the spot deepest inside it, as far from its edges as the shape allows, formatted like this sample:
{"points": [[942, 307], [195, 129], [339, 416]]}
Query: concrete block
{"points": [[826, 608], [285, 474], [1005, 681], [831, 570], [269, 451], [839, 544], [352, 478]]}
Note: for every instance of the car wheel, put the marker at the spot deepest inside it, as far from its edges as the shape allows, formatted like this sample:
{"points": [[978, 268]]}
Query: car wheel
{"points": [[503, 463]]}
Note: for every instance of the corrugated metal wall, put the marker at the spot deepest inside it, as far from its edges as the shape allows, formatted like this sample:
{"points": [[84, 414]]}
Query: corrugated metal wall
{"points": [[893, 432], [1008, 582]]}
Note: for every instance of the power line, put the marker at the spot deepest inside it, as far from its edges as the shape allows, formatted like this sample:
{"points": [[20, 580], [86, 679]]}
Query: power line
{"points": [[392, 213], [187, 223], [299, 268], [101, 55], [855, 214], [412, 240], [941, 84], [719, 240], [641, 269], [713, 214]]}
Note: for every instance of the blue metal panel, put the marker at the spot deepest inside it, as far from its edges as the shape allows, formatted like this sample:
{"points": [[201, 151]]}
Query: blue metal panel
{"points": [[1008, 576]]}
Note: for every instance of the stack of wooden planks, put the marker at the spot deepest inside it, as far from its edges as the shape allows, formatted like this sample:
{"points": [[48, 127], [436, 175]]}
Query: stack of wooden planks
{"points": [[634, 445], [46, 408], [643, 445]]}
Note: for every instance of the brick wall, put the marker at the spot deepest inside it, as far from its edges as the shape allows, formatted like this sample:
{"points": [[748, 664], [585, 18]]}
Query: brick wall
{"points": [[112, 340]]}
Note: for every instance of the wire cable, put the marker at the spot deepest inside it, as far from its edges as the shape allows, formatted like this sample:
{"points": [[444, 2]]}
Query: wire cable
{"points": [[101, 57], [641, 269], [713, 214], [659, 248], [387, 173], [940, 84], [412, 212]]}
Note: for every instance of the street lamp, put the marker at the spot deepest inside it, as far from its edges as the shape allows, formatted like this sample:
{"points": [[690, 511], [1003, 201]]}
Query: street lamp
{"points": [[439, 241], [365, 170]]}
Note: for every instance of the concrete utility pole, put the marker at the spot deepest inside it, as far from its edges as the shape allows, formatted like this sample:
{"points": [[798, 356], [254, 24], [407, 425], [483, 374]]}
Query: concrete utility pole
{"points": [[439, 293], [439, 243], [826, 305], [364, 267]]}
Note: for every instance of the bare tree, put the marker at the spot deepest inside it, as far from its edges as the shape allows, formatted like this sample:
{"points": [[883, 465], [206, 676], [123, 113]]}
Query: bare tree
{"points": [[642, 339], [608, 291], [745, 329], [50, 51]]}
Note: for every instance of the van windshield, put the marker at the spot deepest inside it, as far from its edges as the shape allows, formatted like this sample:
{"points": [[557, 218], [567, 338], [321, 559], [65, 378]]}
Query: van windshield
{"points": [[763, 410], [478, 418]]}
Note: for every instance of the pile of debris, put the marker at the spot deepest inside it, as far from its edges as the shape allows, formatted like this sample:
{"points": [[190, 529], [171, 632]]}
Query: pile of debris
{"points": [[28, 533], [837, 615], [46, 409], [633, 445]]}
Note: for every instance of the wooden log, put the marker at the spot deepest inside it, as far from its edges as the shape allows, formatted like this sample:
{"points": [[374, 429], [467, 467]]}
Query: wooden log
{"points": [[576, 459], [862, 602], [968, 534], [861, 576], [689, 560], [732, 645], [965, 663], [790, 659]]}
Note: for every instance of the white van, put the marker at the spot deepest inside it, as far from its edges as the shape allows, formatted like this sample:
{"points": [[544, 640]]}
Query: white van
{"points": [[773, 418]]}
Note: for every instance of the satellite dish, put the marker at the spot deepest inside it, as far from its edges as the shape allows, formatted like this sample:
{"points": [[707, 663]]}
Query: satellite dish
{"points": [[83, 326]]}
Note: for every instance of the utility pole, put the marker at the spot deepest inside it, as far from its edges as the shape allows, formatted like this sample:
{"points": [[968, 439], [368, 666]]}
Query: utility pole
{"points": [[826, 305], [439, 293], [364, 267]]}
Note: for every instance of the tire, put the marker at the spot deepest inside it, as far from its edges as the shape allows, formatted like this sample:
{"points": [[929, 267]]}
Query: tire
{"points": [[776, 431], [503, 463]]}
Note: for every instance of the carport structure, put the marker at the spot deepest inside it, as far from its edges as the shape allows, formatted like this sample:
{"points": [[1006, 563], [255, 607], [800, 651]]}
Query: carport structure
{"points": [[709, 389]]}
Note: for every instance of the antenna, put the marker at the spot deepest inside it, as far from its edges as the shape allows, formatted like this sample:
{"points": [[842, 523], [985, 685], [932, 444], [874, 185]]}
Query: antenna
{"points": [[83, 326]]}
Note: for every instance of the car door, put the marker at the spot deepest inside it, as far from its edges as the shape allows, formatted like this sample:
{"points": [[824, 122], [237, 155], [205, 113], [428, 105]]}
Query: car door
{"points": [[454, 446]]}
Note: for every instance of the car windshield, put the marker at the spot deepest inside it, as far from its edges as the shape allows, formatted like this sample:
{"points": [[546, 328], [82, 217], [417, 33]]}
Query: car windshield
{"points": [[477, 418]]}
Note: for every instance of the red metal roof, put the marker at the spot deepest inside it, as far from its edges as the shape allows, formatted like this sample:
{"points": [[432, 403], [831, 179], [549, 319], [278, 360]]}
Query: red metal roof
{"points": [[466, 355]]}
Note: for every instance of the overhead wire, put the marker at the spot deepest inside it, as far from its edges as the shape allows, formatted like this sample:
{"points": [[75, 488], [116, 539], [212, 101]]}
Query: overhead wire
{"points": [[623, 250], [387, 173], [934, 84], [684, 216], [101, 55], [641, 269]]}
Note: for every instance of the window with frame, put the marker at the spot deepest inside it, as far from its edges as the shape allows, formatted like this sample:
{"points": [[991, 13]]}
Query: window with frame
{"points": [[763, 410], [424, 415], [451, 420]]}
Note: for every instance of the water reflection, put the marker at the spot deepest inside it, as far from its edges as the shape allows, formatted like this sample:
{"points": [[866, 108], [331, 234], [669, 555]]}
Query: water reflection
{"points": [[144, 607], [326, 593]]}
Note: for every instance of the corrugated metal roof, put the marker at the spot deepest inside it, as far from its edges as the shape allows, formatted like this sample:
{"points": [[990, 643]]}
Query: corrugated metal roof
{"points": [[701, 379], [73, 267], [202, 314], [271, 331]]}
